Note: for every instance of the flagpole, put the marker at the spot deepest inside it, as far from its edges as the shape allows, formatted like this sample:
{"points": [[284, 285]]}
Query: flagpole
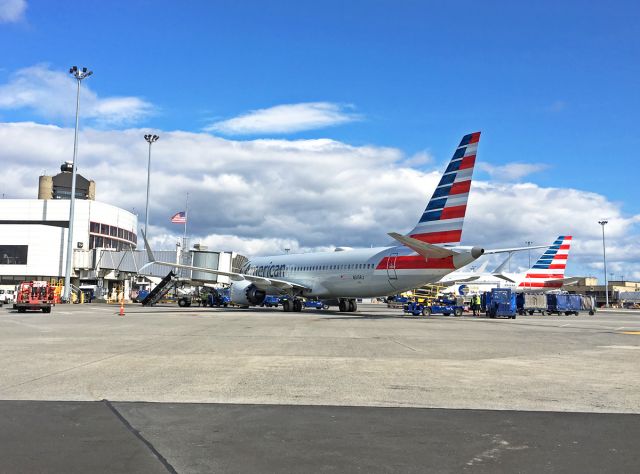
{"points": [[186, 218]]}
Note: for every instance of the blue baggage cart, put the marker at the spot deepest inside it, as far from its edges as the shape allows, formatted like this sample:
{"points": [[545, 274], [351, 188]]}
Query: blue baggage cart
{"points": [[563, 303], [499, 303]]}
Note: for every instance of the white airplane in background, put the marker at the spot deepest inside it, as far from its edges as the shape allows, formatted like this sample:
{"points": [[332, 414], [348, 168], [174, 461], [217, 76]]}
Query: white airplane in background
{"points": [[546, 274], [425, 254]]}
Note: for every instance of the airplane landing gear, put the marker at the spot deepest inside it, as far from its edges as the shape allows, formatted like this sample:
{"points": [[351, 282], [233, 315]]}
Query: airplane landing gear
{"points": [[292, 305], [348, 305]]}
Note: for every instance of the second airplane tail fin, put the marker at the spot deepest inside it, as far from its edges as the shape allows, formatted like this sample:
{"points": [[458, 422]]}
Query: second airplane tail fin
{"points": [[441, 222], [548, 271]]}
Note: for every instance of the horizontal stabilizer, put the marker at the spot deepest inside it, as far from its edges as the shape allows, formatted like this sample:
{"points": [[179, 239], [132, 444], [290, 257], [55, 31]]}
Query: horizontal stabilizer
{"points": [[515, 249], [423, 248]]}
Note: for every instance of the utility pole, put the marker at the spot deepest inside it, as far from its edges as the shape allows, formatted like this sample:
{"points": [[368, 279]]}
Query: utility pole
{"points": [[150, 140], [604, 222], [79, 76]]}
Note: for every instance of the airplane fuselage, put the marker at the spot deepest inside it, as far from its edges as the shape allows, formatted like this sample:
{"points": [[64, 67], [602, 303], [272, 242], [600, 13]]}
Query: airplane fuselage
{"points": [[368, 272]]}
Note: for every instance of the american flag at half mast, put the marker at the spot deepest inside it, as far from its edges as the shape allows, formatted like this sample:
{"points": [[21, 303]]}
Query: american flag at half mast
{"points": [[179, 218]]}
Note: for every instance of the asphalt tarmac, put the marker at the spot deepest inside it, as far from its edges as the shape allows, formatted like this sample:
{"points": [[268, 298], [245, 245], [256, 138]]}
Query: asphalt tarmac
{"points": [[195, 390]]}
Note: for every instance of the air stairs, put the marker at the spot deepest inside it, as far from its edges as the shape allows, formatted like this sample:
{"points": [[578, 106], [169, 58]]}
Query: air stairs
{"points": [[160, 290]]}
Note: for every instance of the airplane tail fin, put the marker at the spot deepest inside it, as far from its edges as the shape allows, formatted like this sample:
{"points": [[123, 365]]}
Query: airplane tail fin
{"points": [[548, 271], [441, 222]]}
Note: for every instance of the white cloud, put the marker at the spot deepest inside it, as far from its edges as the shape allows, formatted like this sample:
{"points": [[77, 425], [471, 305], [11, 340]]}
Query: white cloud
{"points": [[52, 94], [262, 196], [420, 159], [511, 171], [285, 118], [12, 10]]}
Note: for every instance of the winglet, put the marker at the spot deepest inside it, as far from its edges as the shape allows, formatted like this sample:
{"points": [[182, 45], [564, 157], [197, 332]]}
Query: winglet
{"points": [[425, 249], [150, 256]]}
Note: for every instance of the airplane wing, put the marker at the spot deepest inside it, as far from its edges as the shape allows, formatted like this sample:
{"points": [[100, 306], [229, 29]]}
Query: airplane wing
{"points": [[503, 277], [565, 281], [466, 280], [260, 281], [423, 248]]}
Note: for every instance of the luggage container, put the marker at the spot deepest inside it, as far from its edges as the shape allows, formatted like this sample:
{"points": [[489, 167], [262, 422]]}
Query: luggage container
{"points": [[531, 303], [500, 303], [559, 303]]}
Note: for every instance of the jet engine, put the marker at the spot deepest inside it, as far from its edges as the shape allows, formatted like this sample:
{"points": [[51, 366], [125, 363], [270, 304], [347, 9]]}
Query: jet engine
{"points": [[246, 293]]}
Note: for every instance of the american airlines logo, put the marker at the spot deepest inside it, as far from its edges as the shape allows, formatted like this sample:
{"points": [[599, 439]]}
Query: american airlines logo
{"points": [[266, 271]]}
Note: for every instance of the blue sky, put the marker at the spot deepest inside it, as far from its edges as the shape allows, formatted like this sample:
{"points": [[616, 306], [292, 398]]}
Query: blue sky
{"points": [[552, 85]]}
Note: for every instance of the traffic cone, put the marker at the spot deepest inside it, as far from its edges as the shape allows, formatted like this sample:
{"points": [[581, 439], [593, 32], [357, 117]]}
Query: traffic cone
{"points": [[121, 308]]}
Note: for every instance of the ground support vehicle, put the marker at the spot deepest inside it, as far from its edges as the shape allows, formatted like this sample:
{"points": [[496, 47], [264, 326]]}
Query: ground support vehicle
{"points": [[499, 303], [529, 303], [271, 301], [185, 301], [34, 296], [397, 301], [559, 303], [218, 298], [315, 304], [7, 296], [437, 307]]}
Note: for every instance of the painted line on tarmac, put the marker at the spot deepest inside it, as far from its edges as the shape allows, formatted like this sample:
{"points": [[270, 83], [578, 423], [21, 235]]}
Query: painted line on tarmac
{"points": [[633, 333], [139, 435]]}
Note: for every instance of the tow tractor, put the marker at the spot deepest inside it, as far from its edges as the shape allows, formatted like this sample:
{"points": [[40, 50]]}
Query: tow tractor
{"points": [[439, 306], [34, 296]]}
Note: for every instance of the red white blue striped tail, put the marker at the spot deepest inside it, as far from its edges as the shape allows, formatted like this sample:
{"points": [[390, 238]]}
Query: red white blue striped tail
{"points": [[548, 271], [441, 222]]}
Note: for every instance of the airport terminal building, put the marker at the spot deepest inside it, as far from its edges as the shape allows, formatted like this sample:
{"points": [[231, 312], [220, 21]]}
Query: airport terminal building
{"points": [[33, 241]]}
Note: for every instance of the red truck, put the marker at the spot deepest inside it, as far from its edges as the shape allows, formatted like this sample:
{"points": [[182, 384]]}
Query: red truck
{"points": [[34, 296]]}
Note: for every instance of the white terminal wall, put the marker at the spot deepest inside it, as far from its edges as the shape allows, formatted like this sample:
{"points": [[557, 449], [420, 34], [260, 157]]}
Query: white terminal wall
{"points": [[47, 244]]}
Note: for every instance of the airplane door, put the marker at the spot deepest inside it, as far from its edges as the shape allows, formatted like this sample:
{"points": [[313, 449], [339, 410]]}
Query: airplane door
{"points": [[391, 266]]}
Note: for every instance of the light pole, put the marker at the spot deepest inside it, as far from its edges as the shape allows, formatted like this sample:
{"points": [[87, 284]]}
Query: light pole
{"points": [[79, 75], [604, 222], [528, 242], [150, 140]]}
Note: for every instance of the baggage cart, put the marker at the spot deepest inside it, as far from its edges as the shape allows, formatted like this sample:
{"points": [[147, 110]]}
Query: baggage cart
{"points": [[529, 303]]}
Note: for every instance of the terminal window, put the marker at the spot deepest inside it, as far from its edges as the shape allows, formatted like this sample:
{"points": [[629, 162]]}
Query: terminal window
{"points": [[13, 254]]}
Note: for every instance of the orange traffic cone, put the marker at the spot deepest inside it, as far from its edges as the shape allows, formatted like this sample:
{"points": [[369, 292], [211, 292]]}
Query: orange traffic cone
{"points": [[121, 308]]}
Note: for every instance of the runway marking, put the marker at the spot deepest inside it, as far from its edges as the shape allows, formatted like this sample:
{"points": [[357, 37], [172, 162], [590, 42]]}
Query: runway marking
{"points": [[403, 345], [565, 325], [633, 333]]}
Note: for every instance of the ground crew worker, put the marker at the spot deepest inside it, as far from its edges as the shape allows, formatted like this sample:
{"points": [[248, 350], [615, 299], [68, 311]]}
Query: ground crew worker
{"points": [[475, 305]]}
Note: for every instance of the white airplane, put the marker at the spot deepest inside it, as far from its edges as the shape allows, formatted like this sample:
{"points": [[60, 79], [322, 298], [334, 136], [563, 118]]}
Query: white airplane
{"points": [[425, 254], [546, 274]]}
